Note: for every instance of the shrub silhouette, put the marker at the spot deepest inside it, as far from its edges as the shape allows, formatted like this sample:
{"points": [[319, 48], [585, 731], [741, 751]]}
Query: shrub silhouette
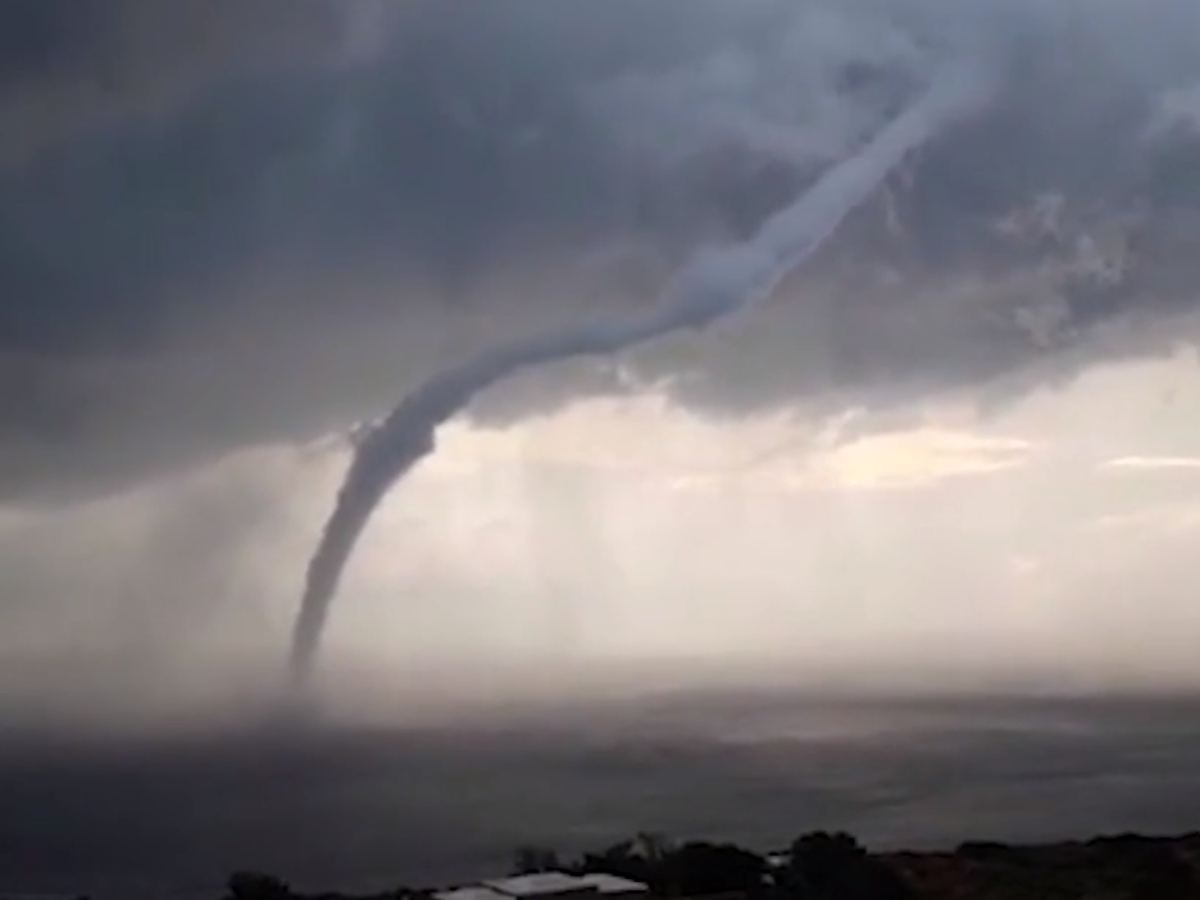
{"points": [[257, 886], [835, 866], [698, 868]]}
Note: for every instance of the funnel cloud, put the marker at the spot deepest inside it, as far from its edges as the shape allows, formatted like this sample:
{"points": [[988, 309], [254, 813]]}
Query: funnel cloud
{"points": [[714, 286]]}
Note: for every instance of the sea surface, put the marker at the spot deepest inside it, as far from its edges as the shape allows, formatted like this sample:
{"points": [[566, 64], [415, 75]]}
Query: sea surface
{"points": [[366, 806]]}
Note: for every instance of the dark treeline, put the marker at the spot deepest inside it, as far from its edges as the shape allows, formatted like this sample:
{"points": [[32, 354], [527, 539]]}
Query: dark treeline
{"points": [[817, 865], [825, 866]]}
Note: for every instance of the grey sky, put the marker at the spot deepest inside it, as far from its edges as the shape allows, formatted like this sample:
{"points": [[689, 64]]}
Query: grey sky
{"points": [[274, 232]]}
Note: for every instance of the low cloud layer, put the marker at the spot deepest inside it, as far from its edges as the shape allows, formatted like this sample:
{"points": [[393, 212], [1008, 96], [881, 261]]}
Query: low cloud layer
{"points": [[273, 221]]}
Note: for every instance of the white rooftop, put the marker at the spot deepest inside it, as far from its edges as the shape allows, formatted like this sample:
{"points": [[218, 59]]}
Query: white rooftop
{"points": [[471, 892], [539, 883], [612, 884]]}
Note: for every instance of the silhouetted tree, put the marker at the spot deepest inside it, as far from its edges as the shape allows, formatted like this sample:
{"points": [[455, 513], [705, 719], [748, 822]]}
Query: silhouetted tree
{"points": [[530, 860], [651, 846], [699, 868], [819, 857], [619, 859], [835, 866], [640, 858], [1148, 869], [257, 886]]}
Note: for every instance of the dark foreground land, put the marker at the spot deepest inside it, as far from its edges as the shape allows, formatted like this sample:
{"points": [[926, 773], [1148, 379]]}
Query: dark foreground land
{"points": [[824, 866]]}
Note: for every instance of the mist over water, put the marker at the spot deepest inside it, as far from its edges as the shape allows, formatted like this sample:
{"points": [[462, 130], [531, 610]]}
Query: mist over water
{"points": [[764, 705]]}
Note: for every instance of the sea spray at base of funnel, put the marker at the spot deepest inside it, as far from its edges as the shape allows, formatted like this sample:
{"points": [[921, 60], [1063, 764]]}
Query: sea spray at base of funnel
{"points": [[713, 286]]}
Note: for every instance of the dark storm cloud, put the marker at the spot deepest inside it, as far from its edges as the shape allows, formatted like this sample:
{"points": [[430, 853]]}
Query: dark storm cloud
{"points": [[220, 225], [424, 153], [67, 67]]}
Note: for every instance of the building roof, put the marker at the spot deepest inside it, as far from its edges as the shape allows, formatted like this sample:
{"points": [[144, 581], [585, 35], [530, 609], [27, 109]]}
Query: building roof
{"points": [[470, 892], [539, 883], [612, 884]]}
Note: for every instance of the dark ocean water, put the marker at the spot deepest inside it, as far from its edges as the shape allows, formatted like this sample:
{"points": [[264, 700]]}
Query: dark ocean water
{"points": [[360, 808]]}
